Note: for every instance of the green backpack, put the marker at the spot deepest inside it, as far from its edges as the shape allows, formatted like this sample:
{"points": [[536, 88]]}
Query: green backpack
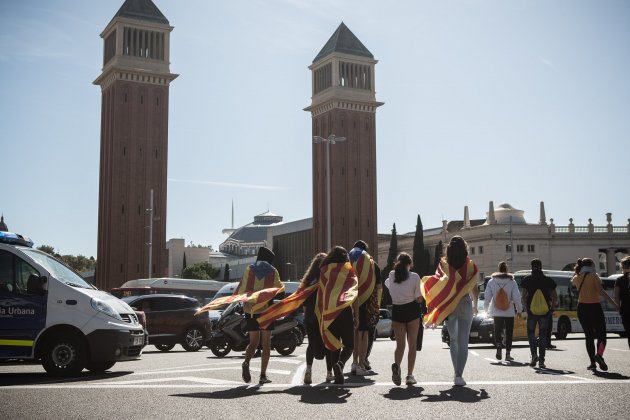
{"points": [[539, 305]]}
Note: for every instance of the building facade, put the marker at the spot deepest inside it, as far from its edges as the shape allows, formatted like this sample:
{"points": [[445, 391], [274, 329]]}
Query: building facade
{"points": [[343, 104], [505, 235], [135, 84]]}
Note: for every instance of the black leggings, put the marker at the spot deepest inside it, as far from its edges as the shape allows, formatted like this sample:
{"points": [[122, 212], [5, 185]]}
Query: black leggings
{"points": [[591, 318], [625, 319], [315, 348], [499, 323], [343, 329]]}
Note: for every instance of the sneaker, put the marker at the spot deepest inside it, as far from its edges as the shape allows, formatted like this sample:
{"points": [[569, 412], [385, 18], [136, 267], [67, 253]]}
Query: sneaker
{"points": [[499, 354], [541, 364], [592, 367], [308, 376], [338, 370], [459, 381], [264, 380], [533, 361], [367, 365], [508, 357], [410, 380], [329, 376], [353, 369], [361, 372], [246, 375], [600, 361], [551, 347], [396, 374]]}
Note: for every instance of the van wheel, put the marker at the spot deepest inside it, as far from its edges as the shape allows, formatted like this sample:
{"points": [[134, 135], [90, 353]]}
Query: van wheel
{"points": [[193, 339], [164, 347], [564, 328], [99, 367], [64, 356]]}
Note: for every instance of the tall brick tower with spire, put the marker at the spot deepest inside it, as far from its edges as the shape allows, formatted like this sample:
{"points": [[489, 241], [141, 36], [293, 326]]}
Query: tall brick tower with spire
{"points": [[343, 104], [134, 145]]}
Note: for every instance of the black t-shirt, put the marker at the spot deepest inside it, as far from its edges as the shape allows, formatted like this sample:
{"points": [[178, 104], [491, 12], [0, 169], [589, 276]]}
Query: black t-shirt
{"points": [[623, 283], [537, 280]]}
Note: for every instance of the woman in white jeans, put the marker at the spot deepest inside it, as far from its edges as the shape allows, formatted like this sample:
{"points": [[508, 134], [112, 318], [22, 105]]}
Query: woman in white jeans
{"points": [[451, 295]]}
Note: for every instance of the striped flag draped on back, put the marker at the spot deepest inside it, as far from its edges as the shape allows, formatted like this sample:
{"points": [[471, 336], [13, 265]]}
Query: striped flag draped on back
{"points": [[260, 283], [338, 289], [443, 290], [286, 306], [363, 264]]}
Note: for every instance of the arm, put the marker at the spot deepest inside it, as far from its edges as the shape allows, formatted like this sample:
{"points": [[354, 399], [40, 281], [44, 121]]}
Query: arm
{"points": [[475, 297], [516, 298], [606, 296], [355, 313], [488, 294], [617, 296], [554, 299]]}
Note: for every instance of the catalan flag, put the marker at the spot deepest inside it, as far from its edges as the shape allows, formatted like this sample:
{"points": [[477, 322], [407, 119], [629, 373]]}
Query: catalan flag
{"points": [[259, 285], [363, 264], [286, 306], [338, 289], [443, 291]]}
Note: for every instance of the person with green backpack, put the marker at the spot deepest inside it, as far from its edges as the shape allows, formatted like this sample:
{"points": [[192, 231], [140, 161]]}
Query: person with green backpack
{"points": [[539, 297]]}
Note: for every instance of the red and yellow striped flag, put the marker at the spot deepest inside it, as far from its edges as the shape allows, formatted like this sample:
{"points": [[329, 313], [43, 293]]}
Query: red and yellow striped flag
{"points": [[286, 306], [338, 289], [363, 264], [443, 290], [259, 285]]}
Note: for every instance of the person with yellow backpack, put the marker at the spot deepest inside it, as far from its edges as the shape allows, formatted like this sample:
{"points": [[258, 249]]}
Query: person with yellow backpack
{"points": [[501, 296], [539, 297]]}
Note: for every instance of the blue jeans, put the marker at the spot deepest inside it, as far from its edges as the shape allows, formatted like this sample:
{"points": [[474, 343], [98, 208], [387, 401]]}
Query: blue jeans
{"points": [[543, 325], [458, 324]]}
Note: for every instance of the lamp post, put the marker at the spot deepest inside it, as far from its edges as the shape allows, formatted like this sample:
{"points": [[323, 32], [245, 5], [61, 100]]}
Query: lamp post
{"points": [[289, 270], [332, 139]]}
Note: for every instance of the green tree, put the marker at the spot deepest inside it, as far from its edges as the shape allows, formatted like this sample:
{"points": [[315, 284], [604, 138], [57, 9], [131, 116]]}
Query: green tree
{"points": [[79, 263], [420, 263], [226, 272], [438, 255], [184, 265], [200, 271], [393, 252]]}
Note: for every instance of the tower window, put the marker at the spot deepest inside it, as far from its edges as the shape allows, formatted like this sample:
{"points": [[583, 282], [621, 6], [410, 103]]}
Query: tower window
{"points": [[125, 97], [156, 153], [124, 151], [531, 248], [123, 209], [141, 99], [520, 248], [110, 48]]}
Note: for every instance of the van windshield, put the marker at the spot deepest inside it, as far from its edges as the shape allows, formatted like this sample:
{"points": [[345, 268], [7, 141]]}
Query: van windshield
{"points": [[57, 269]]}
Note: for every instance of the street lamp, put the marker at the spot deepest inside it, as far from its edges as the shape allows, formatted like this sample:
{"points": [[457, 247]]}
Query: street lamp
{"points": [[332, 139], [289, 270]]}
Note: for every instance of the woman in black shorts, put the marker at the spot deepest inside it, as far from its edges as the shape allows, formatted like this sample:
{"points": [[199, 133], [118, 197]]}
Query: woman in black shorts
{"points": [[404, 288]]}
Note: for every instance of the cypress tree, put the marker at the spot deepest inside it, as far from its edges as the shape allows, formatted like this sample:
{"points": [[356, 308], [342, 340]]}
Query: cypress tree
{"points": [[438, 255], [420, 265], [393, 252], [226, 273], [184, 265]]}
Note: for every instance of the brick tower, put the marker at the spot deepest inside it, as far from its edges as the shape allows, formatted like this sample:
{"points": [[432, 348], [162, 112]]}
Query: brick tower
{"points": [[344, 105], [134, 144]]}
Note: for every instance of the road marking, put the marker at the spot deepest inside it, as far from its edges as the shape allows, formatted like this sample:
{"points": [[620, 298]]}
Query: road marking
{"points": [[617, 349], [491, 360], [117, 385], [278, 371], [299, 375], [196, 379], [474, 353]]}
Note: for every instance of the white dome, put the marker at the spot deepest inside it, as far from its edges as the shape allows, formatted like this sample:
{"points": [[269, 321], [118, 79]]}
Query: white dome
{"points": [[503, 212]]}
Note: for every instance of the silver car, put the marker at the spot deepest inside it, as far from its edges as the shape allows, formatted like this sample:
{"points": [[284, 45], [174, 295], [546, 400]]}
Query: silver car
{"points": [[384, 326]]}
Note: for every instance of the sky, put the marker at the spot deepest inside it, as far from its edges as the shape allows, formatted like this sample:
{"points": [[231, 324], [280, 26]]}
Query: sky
{"points": [[514, 102]]}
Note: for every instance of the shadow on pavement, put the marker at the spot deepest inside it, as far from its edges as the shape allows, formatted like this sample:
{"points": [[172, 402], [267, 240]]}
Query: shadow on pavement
{"points": [[556, 372], [404, 393], [509, 364], [42, 378], [308, 395], [460, 394], [610, 375]]}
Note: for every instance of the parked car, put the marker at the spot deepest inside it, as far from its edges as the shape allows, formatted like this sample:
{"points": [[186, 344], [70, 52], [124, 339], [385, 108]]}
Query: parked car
{"points": [[384, 325], [171, 320], [482, 329]]}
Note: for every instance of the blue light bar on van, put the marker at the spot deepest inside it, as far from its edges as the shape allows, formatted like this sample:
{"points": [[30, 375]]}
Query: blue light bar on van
{"points": [[15, 239]]}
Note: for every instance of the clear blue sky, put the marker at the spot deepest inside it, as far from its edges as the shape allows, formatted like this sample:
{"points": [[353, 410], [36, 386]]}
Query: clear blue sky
{"points": [[510, 101]]}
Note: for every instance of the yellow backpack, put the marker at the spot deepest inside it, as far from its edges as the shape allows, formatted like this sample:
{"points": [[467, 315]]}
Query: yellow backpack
{"points": [[539, 305]]}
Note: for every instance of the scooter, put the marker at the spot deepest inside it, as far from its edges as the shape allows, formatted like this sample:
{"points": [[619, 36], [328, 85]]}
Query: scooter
{"points": [[230, 333]]}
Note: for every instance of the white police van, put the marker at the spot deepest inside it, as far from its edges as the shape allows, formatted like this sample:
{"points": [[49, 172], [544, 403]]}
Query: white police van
{"points": [[49, 313]]}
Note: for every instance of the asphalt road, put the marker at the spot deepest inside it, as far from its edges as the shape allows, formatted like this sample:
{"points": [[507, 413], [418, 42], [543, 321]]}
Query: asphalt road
{"points": [[179, 384]]}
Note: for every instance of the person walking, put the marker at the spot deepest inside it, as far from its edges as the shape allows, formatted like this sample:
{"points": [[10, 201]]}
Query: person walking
{"points": [[501, 300], [315, 348], [337, 308], [590, 312], [622, 296], [364, 266], [404, 288], [451, 294], [539, 297]]}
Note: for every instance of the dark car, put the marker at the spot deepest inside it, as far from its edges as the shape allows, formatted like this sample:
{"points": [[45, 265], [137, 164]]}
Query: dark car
{"points": [[171, 320]]}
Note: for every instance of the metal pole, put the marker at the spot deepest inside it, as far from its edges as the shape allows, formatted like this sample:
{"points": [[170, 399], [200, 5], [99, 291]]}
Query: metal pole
{"points": [[511, 245], [328, 222], [151, 235]]}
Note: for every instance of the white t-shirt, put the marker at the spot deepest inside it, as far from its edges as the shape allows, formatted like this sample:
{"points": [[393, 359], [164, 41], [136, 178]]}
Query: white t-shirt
{"points": [[404, 292]]}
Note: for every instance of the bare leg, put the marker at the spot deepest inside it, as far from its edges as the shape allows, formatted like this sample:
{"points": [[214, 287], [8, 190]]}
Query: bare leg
{"points": [[362, 345], [400, 333], [412, 337], [355, 350], [266, 351], [254, 337]]}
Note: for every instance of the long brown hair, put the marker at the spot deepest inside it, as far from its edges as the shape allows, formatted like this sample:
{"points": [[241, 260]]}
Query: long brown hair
{"points": [[337, 255], [400, 268], [456, 252], [313, 270]]}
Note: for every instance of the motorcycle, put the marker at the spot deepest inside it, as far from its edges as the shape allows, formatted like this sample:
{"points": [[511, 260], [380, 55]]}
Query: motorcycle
{"points": [[230, 333]]}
